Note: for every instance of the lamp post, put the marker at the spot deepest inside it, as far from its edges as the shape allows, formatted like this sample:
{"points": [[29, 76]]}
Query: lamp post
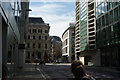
{"points": [[22, 30], [36, 58]]}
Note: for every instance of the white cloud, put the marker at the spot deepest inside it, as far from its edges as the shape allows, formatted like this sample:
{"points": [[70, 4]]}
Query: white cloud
{"points": [[58, 22], [47, 8], [51, 1], [58, 28], [59, 25]]}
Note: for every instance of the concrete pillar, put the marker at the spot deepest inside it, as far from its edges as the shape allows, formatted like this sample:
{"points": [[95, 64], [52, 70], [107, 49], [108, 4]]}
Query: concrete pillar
{"points": [[4, 42], [15, 55], [21, 58], [21, 54], [0, 47]]}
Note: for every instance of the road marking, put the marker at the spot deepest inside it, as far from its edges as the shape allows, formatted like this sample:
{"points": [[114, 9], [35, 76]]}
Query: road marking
{"points": [[41, 73]]}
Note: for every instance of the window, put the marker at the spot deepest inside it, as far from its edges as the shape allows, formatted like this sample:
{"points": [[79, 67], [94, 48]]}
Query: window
{"points": [[39, 37], [99, 10], [112, 32], [39, 30], [28, 55], [39, 46], [46, 31], [107, 19], [73, 34], [110, 5], [39, 55], [33, 45], [73, 50], [33, 37], [35, 30], [28, 45], [111, 16], [28, 36], [103, 8], [33, 54], [66, 50], [116, 30], [45, 37], [66, 41], [103, 21], [116, 14], [46, 46], [29, 30]]}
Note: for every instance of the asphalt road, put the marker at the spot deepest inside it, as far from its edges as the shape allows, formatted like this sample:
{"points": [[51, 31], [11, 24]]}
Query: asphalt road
{"points": [[56, 72], [63, 72]]}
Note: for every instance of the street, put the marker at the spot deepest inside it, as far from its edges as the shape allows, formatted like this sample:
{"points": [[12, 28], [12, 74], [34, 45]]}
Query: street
{"points": [[57, 71], [63, 72]]}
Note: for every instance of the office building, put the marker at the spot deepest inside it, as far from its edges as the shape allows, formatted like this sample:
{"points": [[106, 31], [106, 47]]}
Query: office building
{"points": [[107, 32], [37, 41], [56, 49], [68, 44], [85, 31], [11, 15]]}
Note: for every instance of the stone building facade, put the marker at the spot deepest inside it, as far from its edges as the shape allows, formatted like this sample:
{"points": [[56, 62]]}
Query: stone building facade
{"points": [[56, 49], [37, 42]]}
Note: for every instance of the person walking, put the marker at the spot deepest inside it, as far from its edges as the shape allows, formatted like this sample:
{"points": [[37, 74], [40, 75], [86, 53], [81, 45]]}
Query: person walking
{"points": [[78, 71]]}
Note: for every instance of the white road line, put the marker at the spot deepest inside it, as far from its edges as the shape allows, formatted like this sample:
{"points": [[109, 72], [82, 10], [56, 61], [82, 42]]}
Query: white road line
{"points": [[42, 73]]}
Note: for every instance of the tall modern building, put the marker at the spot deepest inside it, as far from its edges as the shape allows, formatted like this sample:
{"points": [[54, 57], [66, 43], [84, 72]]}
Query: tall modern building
{"points": [[11, 26], [77, 29], [37, 41], [85, 30], [68, 44], [107, 32]]}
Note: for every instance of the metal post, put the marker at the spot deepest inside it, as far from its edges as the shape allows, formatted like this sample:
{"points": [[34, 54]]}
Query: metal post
{"points": [[36, 57], [0, 46]]}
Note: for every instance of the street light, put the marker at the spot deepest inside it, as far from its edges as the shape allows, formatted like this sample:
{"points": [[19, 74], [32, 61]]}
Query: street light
{"points": [[21, 22], [36, 58], [22, 10], [25, 10]]}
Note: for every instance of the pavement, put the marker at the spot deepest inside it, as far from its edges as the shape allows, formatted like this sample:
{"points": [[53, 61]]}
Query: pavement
{"points": [[29, 72], [107, 69]]}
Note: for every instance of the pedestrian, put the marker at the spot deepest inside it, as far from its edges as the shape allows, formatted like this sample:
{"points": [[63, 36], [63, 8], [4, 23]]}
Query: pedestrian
{"points": [[78, 71]]}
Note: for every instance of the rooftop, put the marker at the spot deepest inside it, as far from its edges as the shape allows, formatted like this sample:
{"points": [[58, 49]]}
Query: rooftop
{"points": [[36, 20]]}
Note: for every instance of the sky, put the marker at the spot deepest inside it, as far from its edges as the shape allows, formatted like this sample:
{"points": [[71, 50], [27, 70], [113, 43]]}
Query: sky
{"points": [[57, 14]]}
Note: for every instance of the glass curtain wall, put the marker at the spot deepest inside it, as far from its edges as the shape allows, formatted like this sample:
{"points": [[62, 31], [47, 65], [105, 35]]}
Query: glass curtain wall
{"points": [[107, 31], [83, 25]]}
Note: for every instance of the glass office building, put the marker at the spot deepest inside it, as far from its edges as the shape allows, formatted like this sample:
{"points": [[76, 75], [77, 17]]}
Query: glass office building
{"points": [[85, 29], [83, 25], [107, 32], [81, 40], [9, 34], [12, 14]]}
